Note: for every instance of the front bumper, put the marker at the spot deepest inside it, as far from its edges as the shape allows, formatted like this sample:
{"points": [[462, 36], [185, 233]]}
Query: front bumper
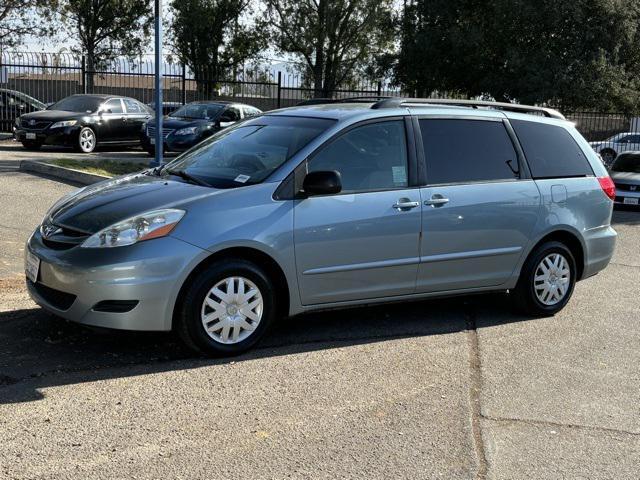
{"points": [[182, 143], [67, 136], [150, 272]]}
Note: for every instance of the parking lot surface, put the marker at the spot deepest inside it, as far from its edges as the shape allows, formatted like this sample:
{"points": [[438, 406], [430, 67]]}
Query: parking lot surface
{"points": [[457, 388]]}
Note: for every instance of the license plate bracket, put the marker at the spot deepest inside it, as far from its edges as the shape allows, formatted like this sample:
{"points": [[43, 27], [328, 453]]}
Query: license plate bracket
{"points": [[31, 266], [30, 136]]}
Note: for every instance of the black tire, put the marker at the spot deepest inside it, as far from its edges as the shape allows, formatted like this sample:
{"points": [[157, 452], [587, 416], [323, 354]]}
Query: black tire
{"points": [[31, 145], [525, 299], [82, 146], [608, 156], [188, 321]]}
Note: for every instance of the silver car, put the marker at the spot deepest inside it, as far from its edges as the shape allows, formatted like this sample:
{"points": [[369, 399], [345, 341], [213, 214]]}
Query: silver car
{"points": [[327, 206], [610, 148], [625, 172]]}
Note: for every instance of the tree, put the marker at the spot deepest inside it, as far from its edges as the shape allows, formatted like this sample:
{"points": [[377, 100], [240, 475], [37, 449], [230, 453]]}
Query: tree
{"points": [[17, 19], [574, 54], [208, 37], [104, 29], [332, 38]]}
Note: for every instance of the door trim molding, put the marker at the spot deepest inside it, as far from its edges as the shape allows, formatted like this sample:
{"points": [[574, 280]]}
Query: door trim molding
{"points": [[363, 266], [492, 252]]}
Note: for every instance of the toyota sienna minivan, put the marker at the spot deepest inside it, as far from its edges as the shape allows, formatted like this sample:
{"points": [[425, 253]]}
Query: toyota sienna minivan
{"points": [[331, 205]]}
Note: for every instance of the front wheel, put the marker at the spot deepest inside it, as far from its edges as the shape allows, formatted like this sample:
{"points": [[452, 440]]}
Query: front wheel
{"points": [[226, 308], [547, 280], [87, 140]]}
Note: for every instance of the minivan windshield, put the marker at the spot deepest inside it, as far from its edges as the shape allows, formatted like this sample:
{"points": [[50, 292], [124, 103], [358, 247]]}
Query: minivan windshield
{"points": [[629, 163], [201, 111], [248, 153], [80, 104]]}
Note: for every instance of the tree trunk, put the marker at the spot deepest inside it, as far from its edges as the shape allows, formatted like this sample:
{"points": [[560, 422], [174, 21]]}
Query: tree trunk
{"points": [[90, 71], [318, 68]]}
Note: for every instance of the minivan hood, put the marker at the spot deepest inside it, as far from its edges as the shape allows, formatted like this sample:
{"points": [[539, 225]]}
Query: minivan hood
{"points": [[103, 204], [626, 177]]}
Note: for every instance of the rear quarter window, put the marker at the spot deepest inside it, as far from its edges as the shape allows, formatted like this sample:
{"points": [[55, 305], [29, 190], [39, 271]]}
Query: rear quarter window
{"points": [[551, 151]]}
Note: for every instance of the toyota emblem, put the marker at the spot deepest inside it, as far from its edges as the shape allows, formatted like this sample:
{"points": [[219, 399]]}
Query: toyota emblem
{"points": [[32, 122]]}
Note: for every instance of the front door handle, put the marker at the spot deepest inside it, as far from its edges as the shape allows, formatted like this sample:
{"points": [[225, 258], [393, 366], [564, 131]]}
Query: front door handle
{"points": [[404, 204], [436, 200]]}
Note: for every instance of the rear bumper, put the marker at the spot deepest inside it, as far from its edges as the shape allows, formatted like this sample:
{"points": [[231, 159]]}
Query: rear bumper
{"points": [[600, 244], [147, 277]]}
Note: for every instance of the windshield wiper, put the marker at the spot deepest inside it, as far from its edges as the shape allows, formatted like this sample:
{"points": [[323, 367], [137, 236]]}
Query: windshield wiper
{"points": [[187, 176]]}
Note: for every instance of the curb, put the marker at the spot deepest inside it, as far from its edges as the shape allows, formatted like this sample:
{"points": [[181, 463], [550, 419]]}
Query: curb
{"points": [[62, 173]]}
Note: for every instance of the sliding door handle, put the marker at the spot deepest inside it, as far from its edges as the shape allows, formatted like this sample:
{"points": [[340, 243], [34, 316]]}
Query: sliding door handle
{"points": [[436, 201], [405, 204]]}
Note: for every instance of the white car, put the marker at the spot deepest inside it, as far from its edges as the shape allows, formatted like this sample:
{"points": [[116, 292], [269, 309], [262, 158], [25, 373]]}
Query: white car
{"points": [[622, 142]]}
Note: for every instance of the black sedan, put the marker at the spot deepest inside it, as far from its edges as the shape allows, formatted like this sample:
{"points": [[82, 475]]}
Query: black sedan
{"points": [[13, 104], [84, 122], [194, 122]]}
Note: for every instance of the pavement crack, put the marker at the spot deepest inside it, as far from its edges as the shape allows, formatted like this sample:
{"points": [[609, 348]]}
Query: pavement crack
{"points": [[624, 265], [545, 423], [475, 391]]}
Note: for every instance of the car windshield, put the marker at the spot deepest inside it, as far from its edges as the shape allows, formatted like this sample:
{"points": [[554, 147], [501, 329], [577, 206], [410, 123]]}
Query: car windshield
{"points": [[627, 163], [202, 111], [248, 153], [77, 104], [29, 99]]}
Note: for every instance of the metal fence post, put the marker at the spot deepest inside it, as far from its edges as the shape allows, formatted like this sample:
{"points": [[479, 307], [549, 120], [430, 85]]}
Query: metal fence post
{"points": [[83, 74], [184, 84], [279, 88], [379, 88]]}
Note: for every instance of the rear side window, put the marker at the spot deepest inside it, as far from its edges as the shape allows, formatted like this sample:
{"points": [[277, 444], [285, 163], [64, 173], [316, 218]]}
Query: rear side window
{"points": [[551, 151], [463, 151]]}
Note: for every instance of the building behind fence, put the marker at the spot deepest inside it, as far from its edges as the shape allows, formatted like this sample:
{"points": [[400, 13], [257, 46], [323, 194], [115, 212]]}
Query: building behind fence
{"points": [[50, 77]]}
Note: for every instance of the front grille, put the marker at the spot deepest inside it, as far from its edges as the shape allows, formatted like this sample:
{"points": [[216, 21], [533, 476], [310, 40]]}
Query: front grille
{"points": [[55, 298], [63, 238], [628, 187], [151, 132], [41, 125]]}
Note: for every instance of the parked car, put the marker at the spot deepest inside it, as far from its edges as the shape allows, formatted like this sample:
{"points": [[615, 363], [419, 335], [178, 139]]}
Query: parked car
{"points": [[326, 206], [625, 172], [84, 122], [13, 104], [193, 122], [622, 142], [167, 107]]}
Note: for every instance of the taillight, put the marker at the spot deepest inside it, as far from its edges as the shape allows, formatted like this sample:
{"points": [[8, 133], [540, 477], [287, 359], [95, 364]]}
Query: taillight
{"points": [[608, 187]]}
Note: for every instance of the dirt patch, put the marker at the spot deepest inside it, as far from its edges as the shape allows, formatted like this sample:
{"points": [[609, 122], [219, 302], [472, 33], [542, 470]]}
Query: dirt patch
{"points": [[13, 294]]}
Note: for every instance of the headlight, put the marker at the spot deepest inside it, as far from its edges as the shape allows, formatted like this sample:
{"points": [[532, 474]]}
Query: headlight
{"points": [[145, 226], [186, 131], [66, 123]]}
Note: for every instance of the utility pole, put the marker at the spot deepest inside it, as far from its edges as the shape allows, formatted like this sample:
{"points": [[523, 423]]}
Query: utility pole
{"points": [[159, 138]]}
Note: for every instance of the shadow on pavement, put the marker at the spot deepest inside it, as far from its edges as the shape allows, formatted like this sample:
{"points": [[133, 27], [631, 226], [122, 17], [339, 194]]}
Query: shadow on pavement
{"points": [[625, 215], [38, 350]]}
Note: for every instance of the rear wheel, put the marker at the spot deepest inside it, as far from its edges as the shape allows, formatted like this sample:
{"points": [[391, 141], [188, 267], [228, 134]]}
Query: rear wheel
{"points": [[226, 308], [31, 145], [547, 280]]}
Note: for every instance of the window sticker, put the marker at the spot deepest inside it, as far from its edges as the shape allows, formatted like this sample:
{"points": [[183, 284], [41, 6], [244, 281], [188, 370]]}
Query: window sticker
{"points": [[399, 175], [242, 178]]}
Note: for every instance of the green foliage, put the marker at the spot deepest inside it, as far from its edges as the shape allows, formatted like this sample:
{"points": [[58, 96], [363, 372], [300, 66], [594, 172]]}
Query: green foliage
{"points": [[104, 29], [332, 38], [208, 37], [582, 53], [17, 19]]}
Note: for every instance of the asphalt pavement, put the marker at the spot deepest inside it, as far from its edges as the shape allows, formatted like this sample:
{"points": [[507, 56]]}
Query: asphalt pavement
{"points": [[458, 388]]}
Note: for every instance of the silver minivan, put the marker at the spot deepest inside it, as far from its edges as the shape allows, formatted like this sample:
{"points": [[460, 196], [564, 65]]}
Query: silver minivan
{"points": [[331, 205]]}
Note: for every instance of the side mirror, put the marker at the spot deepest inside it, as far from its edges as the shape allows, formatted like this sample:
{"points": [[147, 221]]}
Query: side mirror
{"points": [[223, 124], [322, 183]]}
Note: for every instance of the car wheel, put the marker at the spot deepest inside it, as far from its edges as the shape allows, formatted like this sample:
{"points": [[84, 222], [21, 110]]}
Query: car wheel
{"points": [[87, 140], [608, 156], [546, 281], [29, 145], [226, 308]]}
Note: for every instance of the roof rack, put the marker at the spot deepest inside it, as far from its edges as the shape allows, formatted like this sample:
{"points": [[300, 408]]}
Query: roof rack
{"points": [[323, 101], [397, 102]]}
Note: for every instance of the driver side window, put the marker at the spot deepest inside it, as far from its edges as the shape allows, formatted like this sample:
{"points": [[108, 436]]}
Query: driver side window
{"points": [[369, 158], [114, 105]]}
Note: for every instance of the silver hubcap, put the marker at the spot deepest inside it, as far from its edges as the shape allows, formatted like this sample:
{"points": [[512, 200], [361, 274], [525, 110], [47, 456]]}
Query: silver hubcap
{"points": [[551, 280], [87, 140], [232, 310]]}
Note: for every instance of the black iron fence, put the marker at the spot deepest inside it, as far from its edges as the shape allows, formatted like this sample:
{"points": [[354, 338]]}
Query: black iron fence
{"points": [[43, 78]]}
